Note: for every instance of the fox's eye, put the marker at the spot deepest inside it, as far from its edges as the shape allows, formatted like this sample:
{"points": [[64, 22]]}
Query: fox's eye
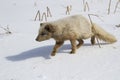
{"points": [[43, 34]]}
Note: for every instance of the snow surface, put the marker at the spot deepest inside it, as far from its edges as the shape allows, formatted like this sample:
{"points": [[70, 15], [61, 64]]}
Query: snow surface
{"points": [[22, 58]]}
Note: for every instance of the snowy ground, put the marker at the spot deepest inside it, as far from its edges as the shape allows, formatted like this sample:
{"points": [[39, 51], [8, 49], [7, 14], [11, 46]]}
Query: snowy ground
{"points": [[22, 58]]}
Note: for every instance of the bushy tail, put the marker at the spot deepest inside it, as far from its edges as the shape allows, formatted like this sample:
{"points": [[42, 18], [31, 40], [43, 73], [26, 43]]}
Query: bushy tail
{"points": [[102, 34]]}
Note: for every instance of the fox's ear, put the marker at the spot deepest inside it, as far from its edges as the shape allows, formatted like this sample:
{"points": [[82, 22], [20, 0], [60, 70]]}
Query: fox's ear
{"points": [[50, 28], [41, 24]]}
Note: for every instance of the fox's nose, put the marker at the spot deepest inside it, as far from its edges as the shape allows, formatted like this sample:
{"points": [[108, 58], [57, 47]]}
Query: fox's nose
{"points": [[37, 39]]}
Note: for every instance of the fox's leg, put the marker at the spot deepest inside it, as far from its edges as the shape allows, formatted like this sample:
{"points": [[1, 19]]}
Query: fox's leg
{"points": [[93, 40], [56, 47], [73, 43], [80, 43]]}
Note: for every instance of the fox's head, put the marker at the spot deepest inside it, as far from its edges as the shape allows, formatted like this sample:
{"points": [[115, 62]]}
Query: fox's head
{"points": [[45, 32]]}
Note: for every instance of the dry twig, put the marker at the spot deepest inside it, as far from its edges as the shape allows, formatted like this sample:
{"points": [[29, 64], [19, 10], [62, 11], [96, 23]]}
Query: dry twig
{"points": [[48, 12], [86, 6], [68, 9], [6, 29], [109, 7], [116, 6], [37, 15], [44, 16], [93, 27]]}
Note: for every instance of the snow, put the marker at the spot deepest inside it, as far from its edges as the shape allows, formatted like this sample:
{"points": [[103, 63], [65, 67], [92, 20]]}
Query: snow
{"points": [[22, 58]]}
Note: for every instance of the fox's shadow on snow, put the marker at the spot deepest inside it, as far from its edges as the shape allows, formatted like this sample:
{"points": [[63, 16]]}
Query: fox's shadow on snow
{"points": [[43, 52]]}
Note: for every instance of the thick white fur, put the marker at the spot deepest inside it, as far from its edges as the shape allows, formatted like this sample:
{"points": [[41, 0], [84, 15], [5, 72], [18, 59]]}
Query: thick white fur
{"points": [[79, 27], [72, 28], [103, 35]]}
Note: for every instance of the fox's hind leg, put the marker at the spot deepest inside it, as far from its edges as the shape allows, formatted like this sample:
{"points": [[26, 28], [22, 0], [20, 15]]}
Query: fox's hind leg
{"points": [[73, 43], [93, 40], [80, 43]]}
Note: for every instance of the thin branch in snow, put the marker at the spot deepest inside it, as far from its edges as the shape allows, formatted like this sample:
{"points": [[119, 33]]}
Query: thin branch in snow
{"points": [[44, 16], [35, 4], [68, 9], [48, 12], [118, 26], [86, 6], [116, 6], [37, 15], [97, 17], [6, 29], [109, 7], [89, 15]]}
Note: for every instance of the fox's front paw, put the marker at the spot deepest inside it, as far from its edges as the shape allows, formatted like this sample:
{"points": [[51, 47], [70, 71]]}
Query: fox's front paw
{"points": [[53, 53], [72, 52]]}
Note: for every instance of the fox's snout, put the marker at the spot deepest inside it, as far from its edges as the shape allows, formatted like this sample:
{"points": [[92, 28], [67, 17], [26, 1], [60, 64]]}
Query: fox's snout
{"points": [[37, 38]]}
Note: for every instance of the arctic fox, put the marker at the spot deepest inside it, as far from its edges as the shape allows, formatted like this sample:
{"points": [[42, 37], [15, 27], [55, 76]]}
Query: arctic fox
{"points": [[72, 28]]}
